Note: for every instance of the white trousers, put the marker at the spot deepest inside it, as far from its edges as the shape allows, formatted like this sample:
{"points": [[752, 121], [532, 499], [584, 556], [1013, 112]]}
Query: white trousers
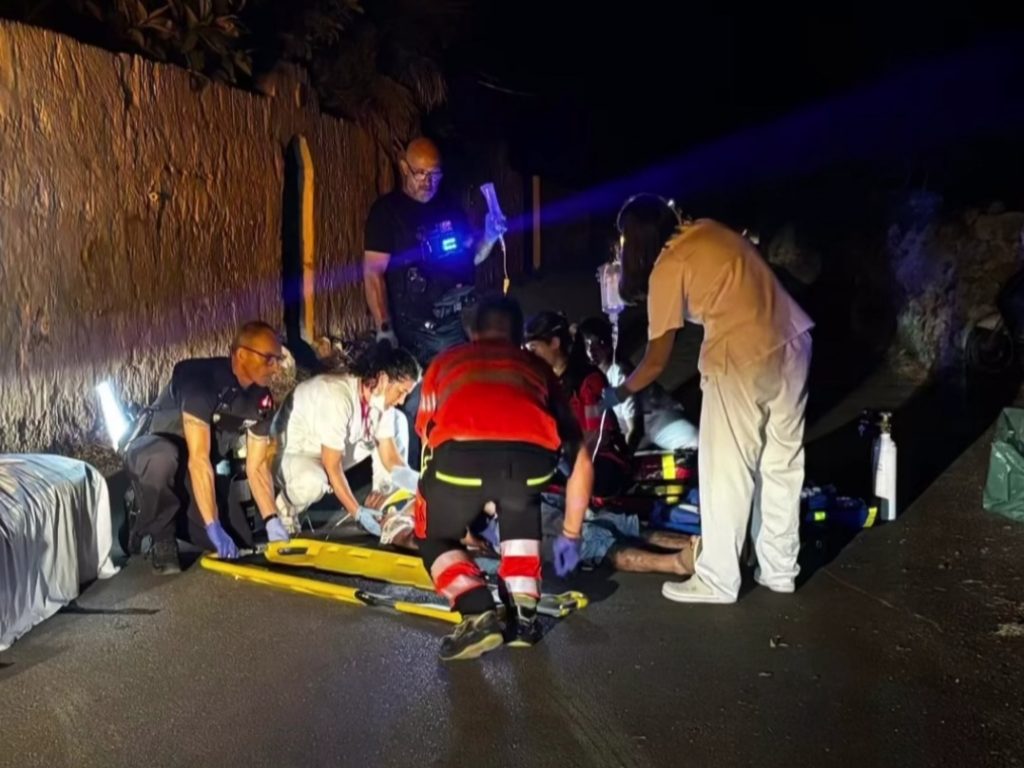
{"points": [[305, 479], [751, 462]]}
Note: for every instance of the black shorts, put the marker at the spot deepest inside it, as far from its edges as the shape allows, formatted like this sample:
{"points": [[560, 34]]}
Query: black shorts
{"points": [[461, 476]]}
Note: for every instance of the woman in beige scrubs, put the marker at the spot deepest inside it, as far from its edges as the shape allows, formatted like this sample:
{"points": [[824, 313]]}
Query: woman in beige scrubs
{"points": [[753, 365]]}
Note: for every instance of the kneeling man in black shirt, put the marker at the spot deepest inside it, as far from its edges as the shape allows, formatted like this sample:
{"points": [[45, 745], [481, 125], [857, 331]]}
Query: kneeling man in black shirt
{"points": [[197, 418]]}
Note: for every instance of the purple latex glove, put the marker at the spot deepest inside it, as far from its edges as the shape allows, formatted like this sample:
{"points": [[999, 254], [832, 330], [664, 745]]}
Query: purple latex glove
{"points": [[276, 531], [491, 535], [567, 555], [225, 547]]}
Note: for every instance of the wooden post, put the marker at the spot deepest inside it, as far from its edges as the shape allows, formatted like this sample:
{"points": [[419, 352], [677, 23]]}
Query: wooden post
{"points": [[308, 240]]}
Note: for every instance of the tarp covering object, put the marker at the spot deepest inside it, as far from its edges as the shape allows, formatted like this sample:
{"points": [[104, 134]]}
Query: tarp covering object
{"points": [[55, 534]]}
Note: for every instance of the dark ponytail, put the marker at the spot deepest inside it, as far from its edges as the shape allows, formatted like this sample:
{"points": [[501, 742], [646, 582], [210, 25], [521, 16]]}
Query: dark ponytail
{"points": [[646, 223]]}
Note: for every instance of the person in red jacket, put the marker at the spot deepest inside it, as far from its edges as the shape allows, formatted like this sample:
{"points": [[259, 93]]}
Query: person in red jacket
{"points": [[493, 418], [548, 337]]}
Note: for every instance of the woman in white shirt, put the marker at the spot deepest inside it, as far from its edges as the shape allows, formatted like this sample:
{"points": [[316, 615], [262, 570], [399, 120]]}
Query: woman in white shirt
{"points": [[334, 421]]}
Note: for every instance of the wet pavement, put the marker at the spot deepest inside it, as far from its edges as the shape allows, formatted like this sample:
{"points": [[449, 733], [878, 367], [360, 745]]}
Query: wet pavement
{"points": [[904, 647]]}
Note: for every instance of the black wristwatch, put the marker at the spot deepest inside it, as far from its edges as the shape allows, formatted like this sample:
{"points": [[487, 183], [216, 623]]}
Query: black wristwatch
{"points": [[385, 327]]}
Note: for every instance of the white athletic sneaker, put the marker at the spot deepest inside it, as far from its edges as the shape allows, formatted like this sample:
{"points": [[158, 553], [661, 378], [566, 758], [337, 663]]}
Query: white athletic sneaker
{"points": [[288, 515], [693, 590], [786, 587]]}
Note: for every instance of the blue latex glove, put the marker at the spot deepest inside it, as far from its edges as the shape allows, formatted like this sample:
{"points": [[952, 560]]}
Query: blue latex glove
{"points": [[276, 530], [369, 519], [406, 478], [567, 555], [494, 226], [611, 397], [223, 543]]}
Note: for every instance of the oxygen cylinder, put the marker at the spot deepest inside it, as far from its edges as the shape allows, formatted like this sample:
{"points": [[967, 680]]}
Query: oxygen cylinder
{"points": [[883, 465]]}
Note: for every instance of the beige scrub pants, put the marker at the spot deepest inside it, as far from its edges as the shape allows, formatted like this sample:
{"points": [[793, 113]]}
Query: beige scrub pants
{"points": [[751, 462]]}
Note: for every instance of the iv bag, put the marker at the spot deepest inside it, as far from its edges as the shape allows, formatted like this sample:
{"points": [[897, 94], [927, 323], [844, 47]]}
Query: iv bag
{"points": [[609, 276], [487, 190]]}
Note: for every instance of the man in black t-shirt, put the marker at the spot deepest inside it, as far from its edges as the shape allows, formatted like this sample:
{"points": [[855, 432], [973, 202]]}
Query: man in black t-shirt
{"points": [[195, 421], [420, 258], [419, 263]]}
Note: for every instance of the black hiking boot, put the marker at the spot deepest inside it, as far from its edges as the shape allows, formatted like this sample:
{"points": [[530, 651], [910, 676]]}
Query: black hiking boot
{"points": [[135, 543], [164, 557], [136, 539], [522, 628], [474, 637]]}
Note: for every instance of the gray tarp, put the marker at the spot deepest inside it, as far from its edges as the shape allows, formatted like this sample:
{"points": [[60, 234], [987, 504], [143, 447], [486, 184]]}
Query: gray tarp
{"points": [[55, 534]]}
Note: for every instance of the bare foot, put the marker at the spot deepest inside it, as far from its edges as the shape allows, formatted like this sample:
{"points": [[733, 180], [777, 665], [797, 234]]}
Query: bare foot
{"points": [[683, 562]]}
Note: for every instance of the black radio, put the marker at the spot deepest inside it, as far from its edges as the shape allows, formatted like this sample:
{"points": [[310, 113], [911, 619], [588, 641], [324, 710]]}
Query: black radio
{"points": [[442, 240]]}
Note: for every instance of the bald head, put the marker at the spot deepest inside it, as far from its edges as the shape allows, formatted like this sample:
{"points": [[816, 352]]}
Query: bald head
{"points": [[250, 334], [423, 152], [421, 170], [255, 353]]}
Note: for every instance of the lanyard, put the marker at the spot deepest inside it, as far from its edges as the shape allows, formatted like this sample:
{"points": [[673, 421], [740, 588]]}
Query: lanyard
{"points": [[365, 412]]}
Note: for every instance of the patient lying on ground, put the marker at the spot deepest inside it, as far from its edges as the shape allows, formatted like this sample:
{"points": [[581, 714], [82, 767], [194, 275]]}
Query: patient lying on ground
{"points": [[614, 538], [617, 539]]}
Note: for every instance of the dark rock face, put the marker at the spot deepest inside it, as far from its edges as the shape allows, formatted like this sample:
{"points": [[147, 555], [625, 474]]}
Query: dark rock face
{"points": [[948, 267], [908, 282], [140, 223]]}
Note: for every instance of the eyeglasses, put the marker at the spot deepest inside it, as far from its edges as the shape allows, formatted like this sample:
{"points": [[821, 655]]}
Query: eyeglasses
{"points": [[268, 357], [424, 175]]}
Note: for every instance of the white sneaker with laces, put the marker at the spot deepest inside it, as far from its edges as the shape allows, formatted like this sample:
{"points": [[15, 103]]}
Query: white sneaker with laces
{"points": [[693, 590]]}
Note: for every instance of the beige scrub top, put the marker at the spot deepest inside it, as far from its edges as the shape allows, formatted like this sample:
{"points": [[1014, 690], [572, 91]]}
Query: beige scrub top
{"points": [[710, 275]]}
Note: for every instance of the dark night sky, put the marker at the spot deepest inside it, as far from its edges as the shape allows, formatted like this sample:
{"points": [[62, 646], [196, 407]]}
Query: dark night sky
{"points": [[607, 92]]}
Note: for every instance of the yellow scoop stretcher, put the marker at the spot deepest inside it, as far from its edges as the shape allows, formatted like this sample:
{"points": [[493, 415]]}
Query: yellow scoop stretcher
{"points": [[305, 585], [363, 562]]}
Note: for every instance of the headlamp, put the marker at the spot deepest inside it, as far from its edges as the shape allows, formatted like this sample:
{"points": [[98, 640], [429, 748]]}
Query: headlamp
{"points": [[671, 204]]}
